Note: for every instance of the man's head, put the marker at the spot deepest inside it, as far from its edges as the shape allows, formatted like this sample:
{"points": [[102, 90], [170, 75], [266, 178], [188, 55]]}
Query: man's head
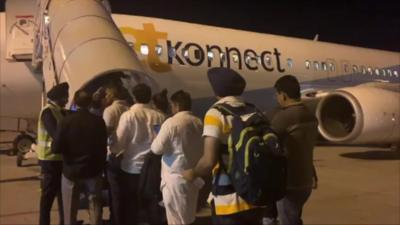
{"points": [[226, 82], [113, 92], [181, 101], [82, 99], [59, 94], [160, 101], [142, 93], [287, 90]]}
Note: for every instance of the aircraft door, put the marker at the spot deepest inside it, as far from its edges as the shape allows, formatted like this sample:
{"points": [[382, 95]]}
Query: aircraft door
{"points": [[88, 49], [346, 71], [331, 69]]}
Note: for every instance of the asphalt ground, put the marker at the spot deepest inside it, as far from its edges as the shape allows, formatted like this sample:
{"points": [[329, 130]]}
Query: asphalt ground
{"points": [[357, 185]]}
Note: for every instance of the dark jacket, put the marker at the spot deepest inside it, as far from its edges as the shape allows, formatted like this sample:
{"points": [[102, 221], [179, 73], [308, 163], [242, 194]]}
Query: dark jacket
{"points": [[82, 140], [298, 128]]}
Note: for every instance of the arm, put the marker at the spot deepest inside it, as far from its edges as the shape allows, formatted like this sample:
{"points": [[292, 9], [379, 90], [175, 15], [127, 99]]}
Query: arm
{"points": [[207, 161], [124, 134], [280, 123], [50, 123], [102, 140], [110, 120], [57, 146], [212, 132], [162, 142]]}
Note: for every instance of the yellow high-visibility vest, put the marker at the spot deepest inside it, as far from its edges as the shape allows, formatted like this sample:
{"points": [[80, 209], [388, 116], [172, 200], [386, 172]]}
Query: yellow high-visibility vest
{"points": [[44, 140]]}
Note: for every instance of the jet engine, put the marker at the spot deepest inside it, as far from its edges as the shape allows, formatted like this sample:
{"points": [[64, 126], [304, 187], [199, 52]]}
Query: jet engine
{"points": [[360, 115]]}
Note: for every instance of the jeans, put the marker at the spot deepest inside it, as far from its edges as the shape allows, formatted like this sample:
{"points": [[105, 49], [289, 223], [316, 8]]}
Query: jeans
{"points": [[50, 189], [71, 190], [291, 206]]}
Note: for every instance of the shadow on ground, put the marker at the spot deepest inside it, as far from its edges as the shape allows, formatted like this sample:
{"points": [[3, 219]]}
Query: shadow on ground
{"points": [[20, 179], [374, 155]]}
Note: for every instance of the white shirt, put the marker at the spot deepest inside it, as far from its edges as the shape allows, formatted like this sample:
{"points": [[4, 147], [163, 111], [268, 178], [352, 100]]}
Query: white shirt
{"points": [[135, 133], [181, 144], [111, 116], [180, 141]]}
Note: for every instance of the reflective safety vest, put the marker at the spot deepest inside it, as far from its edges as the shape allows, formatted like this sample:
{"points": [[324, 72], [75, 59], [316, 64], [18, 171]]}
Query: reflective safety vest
{"points": [[44, 140]]}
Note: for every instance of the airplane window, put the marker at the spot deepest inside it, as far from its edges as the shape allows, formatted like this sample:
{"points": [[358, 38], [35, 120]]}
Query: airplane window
{"points": [[235, 58], [332, 67], [324, 66], [247, 59], [377, 71], [307, 64], [290, 62], [144, 49], [210, 55], [158, 49], [259, 60], [268, 61], [369, 70], [395, 73], [222, 56], [185, 53], [172, 52], [316, 65], [389, 72], [131, 44], [197, 54], [346, 68], [383, 72], [364, 71], [355, 69]]}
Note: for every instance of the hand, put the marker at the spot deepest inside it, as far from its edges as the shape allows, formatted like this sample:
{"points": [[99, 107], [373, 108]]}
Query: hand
{"points": [[188, 175]]}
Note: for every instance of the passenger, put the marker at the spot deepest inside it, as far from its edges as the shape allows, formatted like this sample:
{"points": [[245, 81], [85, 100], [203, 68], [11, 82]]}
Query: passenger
{"points": [[227, 206], [297, 127], [51, 164], [180, 142], [98, 101], [160, 101], [82, 141], [116, 105], [150, 197], [135, 133]]}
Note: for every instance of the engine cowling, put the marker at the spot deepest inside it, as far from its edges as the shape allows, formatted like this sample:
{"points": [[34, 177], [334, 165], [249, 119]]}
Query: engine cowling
{"points": [[360, 115]]}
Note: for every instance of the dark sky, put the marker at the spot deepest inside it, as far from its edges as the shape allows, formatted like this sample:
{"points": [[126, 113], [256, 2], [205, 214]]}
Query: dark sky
{"points": [[365, 23]]}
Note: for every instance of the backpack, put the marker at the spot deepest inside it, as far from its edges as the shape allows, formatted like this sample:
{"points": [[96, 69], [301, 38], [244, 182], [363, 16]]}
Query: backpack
{"points": [[257, 165]]}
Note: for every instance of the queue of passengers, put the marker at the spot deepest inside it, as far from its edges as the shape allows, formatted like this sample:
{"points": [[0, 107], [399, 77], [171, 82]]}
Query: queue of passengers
{"points": [[155, 154]]}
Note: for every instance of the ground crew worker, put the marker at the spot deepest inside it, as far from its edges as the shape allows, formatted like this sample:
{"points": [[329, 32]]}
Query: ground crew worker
{"points": [[51, 164], [227, 206], [180, 142]]}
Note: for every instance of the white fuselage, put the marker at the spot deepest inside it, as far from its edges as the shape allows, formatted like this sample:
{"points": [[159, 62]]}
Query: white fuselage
{"points": [[177, 55]]}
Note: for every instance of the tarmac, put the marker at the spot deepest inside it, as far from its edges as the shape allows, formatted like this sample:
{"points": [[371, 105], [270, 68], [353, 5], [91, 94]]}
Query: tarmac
{"points": [[357, 185]]}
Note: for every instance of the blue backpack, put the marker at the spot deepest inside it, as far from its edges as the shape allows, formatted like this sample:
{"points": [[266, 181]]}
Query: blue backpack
{"points": [[257, 165]]}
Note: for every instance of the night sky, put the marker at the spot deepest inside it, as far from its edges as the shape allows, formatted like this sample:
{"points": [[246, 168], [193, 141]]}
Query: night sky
{"points": [[365, 23]]}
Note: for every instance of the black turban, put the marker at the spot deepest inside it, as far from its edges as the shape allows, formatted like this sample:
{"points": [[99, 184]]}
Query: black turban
{"points": [[59, 91], [226, 82]]}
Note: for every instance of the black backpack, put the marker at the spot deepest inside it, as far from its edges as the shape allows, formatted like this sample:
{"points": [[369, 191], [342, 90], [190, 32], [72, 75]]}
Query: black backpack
{"points": [[257, 165]]}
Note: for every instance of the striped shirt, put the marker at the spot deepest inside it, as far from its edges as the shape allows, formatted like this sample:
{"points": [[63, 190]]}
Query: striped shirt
{"points": [[218, 126]]}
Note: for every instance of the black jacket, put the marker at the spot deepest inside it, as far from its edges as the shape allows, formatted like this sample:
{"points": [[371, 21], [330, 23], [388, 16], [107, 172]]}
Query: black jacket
{"points": [[82, 140]]}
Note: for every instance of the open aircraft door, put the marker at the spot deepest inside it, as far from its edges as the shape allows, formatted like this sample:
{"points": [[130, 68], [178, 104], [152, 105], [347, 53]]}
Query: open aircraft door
{"points": [[79, 43]]}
